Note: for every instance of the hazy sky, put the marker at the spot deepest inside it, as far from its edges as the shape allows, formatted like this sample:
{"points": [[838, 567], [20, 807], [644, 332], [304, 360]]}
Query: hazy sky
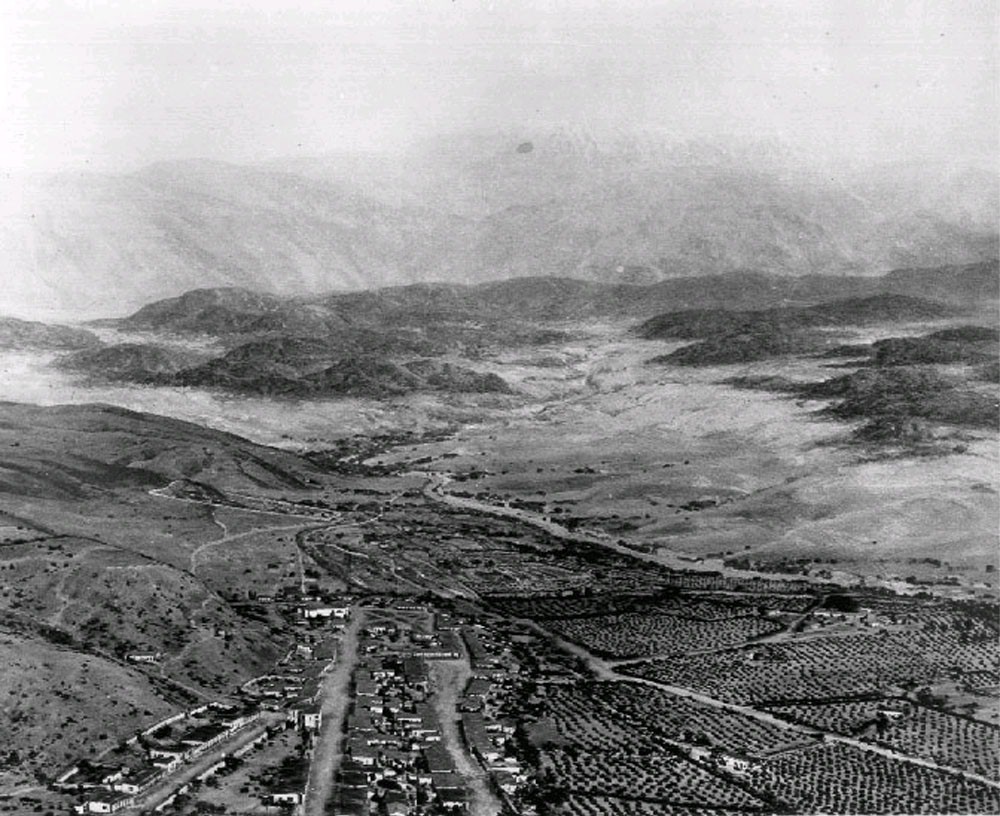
{"points": [[118, 84]]}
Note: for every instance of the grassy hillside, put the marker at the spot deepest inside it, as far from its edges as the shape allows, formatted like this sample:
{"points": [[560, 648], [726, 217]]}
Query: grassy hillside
{"points": [[71, 451], [112, 602], [907, 392], [367, 376], [99, 568], [874, 309], [60, 703], [899, 404], [286, 367], [128, 362], [744, 346]]}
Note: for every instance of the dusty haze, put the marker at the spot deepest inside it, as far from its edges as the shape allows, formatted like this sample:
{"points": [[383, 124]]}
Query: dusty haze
{"points": [[118, 85]]}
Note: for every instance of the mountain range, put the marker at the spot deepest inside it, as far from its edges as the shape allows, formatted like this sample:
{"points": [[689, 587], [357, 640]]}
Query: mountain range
{"points": [[435, 310], [391, 341], [475, 208]]}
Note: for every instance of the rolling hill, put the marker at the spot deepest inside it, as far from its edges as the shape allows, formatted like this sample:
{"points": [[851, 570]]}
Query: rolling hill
{"points": [[362, 376], [902, 387], [71, 451], [105, 569], [383, 342], [859, 311], [513, 304], [906, 392], [962, 344], [740, 336], [128, 362]]}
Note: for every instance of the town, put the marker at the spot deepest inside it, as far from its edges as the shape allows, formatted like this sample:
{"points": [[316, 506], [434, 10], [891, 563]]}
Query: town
{"points": [[568, 703], [447, 655]]}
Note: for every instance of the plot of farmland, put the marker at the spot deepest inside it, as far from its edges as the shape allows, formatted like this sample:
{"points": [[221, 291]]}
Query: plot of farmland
{"points": [[613, 716], [842, 779], [923, 732], [624, 741], [639, 635], [576, 804], [660, 776], [828, 667]]}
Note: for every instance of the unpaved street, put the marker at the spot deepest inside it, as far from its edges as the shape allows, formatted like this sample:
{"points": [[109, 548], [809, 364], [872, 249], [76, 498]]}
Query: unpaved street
{"points": [[450, 677], [334, 695]]}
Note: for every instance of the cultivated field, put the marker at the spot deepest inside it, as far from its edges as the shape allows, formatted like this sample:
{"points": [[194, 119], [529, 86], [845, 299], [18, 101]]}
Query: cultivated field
{"points": [[833, 666], [843, 779], [636, 635], [948, 739]]}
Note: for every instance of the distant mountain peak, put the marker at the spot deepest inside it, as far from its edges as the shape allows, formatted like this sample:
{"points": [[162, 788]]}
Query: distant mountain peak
{"points": [[478, 207]]}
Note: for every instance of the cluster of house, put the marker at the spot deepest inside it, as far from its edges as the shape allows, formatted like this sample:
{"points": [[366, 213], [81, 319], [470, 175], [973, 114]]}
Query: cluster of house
{"points": [[862, 616], [323, 610], [110, 787], [732, 761], [395, 762], [200, 729], [487, 731], [396, 759], [161, 749], [296, 676]]}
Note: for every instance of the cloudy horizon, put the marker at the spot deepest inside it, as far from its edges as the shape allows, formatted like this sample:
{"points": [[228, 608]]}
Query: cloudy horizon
{"points": [[117, 87]]}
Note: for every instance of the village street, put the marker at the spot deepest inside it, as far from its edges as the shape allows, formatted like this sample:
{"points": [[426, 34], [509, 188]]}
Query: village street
{"points": [[163, 790], [334, 700], [450, 678]]}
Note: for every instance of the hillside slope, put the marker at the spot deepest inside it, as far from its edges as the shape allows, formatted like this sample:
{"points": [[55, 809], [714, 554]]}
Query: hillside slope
{"points": [[739, 336], [97, 568], [70, 451]]}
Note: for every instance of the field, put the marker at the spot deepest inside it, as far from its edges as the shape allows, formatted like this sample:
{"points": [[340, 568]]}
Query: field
{"points": [[543, 608], [948, 739], [843, 779], [637, 635], [577, 804], [660, 777], [604, 742], [690, 603], [836, 665], [605, 716]]}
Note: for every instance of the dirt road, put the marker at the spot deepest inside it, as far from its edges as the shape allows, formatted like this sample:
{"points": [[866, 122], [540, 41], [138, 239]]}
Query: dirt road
{"points": [[433, 490], [450, 677], [334, 697], [163, 790]]}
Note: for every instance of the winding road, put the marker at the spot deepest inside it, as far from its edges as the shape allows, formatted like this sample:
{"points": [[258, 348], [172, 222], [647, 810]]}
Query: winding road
{"points": [[433, 490]]}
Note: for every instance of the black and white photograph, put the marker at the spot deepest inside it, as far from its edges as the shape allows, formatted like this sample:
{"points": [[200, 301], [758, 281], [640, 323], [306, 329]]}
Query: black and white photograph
{"points": [[499, 407]]}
